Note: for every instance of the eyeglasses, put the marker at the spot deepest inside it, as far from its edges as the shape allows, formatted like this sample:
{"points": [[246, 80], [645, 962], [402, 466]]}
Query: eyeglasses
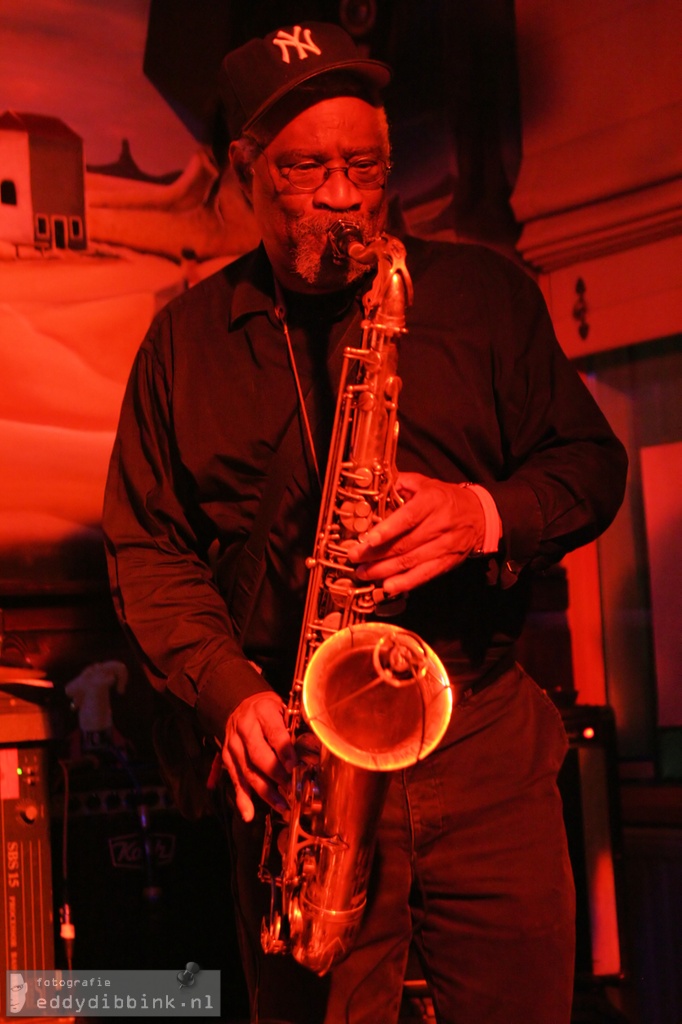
{"points": [[309, 175]]}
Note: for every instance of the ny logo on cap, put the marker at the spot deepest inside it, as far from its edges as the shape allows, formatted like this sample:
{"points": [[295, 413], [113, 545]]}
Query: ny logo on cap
{"points": [[293, 39]]}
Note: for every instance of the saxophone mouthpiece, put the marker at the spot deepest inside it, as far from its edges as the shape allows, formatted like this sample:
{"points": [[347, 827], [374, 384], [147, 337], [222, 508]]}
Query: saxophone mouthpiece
{"points": [[345, 238]]}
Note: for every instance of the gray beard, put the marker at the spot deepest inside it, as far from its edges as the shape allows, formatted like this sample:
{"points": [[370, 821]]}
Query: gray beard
{"points": [[311, 252]]}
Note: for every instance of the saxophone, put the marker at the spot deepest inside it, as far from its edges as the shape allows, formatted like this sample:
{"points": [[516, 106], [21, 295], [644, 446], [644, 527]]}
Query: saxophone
{"points": [[375, 695]]}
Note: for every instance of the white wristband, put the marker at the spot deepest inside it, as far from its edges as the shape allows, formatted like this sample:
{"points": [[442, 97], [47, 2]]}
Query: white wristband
{"points": [[493, 523]]}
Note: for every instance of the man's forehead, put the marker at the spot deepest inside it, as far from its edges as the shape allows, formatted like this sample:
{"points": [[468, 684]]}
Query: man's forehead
{"points": [[346, 119]]}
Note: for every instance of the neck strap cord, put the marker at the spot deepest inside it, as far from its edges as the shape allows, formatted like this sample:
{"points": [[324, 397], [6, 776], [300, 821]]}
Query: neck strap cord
{"points": [[281, 314]]}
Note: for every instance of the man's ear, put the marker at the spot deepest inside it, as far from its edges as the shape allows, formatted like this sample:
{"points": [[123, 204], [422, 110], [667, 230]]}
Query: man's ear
{"points": [[242, 168]]}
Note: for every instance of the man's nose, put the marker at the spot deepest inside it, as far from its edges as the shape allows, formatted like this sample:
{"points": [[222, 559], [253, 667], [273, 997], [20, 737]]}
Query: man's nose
{"points": [[338, 192]]}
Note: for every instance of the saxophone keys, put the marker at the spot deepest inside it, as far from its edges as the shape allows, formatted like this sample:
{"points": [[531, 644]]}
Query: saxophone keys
{"points": [[356, 516], [271, 935], [283, 842], [311, 798]]}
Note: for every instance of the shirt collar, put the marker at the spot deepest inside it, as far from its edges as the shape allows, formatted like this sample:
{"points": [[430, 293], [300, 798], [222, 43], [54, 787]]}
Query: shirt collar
{"points": [[254, 292]]}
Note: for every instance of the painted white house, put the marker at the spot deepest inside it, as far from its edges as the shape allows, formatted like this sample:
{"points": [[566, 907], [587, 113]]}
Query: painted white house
{"points": [[42, 182]]}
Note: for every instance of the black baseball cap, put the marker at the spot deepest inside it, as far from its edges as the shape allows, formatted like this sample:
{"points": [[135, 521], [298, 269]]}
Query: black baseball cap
{"points": [[254, 77]]}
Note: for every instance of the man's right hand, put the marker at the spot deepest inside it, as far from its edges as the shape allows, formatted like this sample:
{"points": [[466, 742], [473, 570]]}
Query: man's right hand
{"points": [[258, 753]]}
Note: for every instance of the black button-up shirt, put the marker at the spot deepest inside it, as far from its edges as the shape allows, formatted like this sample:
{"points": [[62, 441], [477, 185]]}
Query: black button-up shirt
{"points": [[488, 396]]}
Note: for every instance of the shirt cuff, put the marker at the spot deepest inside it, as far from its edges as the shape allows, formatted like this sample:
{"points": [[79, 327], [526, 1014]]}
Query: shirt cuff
{"points": [[229, 686], [493, 524]]}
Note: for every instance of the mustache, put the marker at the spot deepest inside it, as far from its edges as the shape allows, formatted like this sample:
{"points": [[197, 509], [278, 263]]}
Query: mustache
{"points": [[318, 225]]}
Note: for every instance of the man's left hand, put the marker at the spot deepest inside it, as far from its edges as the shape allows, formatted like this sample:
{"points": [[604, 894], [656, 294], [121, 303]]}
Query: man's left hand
{"points": [[438, 527]]}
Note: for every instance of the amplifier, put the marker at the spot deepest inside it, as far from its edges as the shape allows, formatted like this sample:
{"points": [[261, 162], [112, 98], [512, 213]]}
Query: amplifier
{"points": [[130, 859], [147, 888], [26, 915]]}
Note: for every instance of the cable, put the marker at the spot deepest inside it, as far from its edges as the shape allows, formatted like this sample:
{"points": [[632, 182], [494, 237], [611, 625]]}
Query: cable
{"points": [[280, 312]]}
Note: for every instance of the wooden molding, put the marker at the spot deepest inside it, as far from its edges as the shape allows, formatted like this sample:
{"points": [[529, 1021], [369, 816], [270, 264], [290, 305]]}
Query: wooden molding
{"points": [[600, 228]]}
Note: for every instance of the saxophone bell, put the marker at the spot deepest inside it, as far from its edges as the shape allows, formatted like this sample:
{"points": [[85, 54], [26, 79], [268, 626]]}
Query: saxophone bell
{"points": [[377, 696]]}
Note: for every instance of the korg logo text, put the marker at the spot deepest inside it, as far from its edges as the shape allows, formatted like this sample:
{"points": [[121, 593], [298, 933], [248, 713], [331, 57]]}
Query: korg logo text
{"points": [[127, 851]]}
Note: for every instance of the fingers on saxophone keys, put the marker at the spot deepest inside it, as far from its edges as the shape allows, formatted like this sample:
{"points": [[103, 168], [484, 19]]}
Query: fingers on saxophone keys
{"points": [[266, 775], [308, 747], [407, 581], [279, 741], [241, 788], [367, 547], [260, 773], [266, 790], [386, 568]]}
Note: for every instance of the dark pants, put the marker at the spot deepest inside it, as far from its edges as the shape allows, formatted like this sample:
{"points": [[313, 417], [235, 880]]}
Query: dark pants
{"points": [[471, 864]]}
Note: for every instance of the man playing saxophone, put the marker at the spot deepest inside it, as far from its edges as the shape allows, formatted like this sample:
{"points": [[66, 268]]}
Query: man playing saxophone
{"points": [[505, 463]]}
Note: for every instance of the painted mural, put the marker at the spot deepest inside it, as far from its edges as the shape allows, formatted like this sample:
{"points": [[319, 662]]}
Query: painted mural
{"points": [[108, 206]]}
